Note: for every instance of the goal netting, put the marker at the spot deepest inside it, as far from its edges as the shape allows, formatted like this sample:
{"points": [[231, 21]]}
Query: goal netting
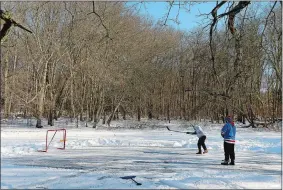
{"points": [[55, 139]]}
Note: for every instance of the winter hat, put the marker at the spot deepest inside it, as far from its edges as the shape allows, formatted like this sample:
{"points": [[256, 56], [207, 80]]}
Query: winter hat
{"points": [[228, 119]]}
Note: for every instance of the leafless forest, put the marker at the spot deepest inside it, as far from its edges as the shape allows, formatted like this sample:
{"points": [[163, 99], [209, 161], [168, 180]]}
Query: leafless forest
{"points": [[103, 61]]}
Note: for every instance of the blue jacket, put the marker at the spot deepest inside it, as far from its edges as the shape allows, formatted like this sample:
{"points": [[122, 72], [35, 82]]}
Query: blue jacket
{"points": [[228, 132]]}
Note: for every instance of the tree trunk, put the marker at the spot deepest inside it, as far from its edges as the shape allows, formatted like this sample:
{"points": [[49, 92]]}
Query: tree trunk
{"points": [[149, 110], [139, 107], [51, 109], [77, 122], [7, 101], [251, 116], [168, 112], [72, 95], [38, 123], [139, 113], [104, 117], [114, 111], [121, 108], [51, 118], [42, 96]]}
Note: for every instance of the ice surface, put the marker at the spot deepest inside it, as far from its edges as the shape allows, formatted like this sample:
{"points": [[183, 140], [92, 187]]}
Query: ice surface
{"points": [[160, 159]]}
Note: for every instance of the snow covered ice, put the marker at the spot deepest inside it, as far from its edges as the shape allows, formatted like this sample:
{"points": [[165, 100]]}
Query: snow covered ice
{"points": [[160, 159]]}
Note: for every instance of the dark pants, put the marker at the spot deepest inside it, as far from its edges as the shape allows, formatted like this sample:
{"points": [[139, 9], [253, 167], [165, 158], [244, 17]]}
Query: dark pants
{"points": [[201, 143], [229, 151]]}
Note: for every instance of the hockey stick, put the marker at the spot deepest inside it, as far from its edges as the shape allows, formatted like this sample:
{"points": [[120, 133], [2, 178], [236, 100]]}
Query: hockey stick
{"points": [[136, 182], [131, 177], [175, 131], [192, 125]]}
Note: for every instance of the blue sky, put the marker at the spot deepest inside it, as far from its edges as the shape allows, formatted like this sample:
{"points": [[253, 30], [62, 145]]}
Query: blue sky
{"points": [[188, 19]]}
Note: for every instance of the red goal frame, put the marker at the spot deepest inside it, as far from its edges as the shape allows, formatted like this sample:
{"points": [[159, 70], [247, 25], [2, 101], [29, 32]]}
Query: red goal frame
{"points": [[54, 130]]}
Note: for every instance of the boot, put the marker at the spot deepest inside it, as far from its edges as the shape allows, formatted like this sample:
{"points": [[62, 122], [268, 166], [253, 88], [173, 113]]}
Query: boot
{"points": [[205, 151], [232, 162], [199, 151], [224, 163]]}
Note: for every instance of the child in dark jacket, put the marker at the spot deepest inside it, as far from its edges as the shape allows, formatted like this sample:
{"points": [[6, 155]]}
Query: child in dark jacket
{"points": [[200, 134], [228, 132]]}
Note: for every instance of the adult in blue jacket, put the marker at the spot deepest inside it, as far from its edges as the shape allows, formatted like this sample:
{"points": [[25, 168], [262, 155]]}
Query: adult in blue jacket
{"points": [[228, 132]]}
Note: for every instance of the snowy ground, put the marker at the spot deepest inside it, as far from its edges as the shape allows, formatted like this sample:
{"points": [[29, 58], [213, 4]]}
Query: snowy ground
{"points": [[160, 159]]}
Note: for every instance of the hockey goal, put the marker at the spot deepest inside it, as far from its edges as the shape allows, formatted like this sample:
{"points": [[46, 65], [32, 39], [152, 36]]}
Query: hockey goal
{"points": [[56, 138]]}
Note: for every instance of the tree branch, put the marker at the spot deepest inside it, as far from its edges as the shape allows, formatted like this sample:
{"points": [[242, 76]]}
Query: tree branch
{"points": [[266, 20], [8, 24], [241, 5], [214, 94], [171, 5], [101, 21], [214, 15]]}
